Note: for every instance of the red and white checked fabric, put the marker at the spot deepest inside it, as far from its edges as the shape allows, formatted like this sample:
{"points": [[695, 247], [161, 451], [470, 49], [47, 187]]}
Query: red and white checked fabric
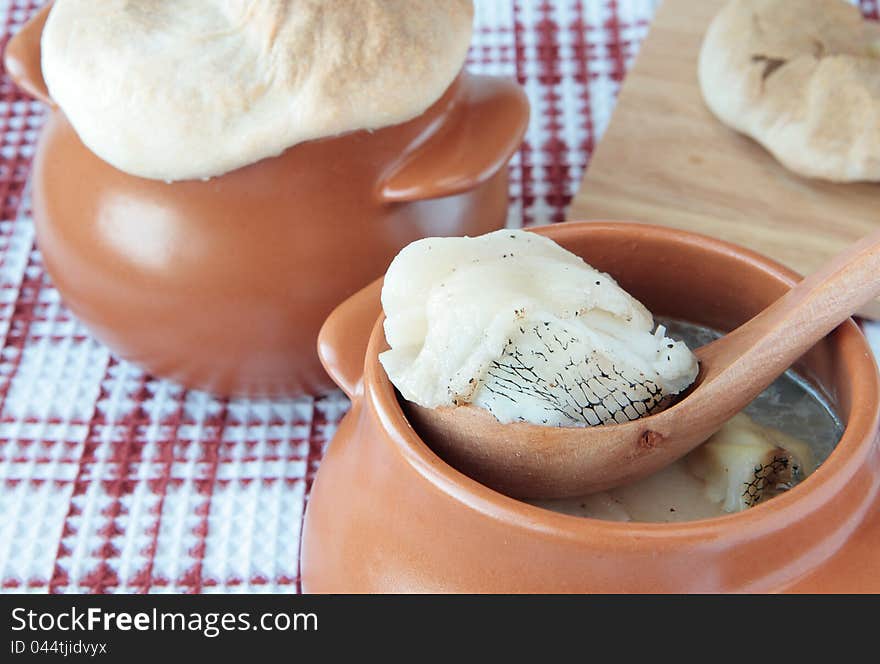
{"points": [[114, 481]]}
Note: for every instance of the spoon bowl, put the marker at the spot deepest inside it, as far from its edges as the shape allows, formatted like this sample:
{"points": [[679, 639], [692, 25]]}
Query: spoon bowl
{"points": [[527, 460]]}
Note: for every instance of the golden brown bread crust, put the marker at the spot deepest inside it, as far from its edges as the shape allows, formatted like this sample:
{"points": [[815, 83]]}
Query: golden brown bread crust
{"points": [[180, 89], [803, 79]]}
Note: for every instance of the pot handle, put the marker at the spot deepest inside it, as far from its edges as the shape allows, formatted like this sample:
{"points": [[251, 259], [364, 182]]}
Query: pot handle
{"points": [[22, 57], [486, 129], [343, 339]]}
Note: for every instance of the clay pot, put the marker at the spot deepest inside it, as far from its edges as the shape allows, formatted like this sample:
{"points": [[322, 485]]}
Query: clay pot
{"points": [[223, 284], [386, 514]]}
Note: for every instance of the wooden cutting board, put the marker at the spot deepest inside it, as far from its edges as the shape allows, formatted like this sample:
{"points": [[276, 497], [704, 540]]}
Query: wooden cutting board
{"points": [[665, 159]]}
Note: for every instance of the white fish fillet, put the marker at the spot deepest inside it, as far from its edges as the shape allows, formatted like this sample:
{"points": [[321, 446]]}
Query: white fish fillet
{"points": [[513, 323], [745, 463]]}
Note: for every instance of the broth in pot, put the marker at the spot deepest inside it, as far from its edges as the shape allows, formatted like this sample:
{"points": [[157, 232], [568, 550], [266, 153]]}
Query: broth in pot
{"points": [[780, 438]]}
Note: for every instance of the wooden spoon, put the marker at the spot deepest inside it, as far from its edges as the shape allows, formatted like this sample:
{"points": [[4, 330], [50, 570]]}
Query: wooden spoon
{"points": [[533, 461]]}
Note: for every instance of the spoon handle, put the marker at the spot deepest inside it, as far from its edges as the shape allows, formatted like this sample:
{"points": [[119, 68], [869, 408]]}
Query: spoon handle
{"points": [[740, 365]]}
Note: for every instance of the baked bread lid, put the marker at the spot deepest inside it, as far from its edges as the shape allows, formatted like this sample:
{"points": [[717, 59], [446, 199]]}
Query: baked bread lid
{"points": [[802, 77], [183, 89]]}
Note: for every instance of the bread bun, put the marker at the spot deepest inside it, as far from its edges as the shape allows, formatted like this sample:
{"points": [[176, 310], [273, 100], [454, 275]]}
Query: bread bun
{"points": [[801, 77], [183, 89]]}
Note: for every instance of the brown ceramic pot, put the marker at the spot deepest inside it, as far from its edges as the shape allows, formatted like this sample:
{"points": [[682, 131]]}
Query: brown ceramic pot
{"points": [[388, 515], [223, 284]]}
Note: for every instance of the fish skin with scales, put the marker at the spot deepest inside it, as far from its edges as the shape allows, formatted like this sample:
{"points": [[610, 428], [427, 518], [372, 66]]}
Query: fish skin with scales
{"points": [[514, 323]]}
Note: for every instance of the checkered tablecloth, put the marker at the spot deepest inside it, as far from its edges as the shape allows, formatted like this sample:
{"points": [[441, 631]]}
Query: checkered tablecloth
{"points": [[114, 481]]}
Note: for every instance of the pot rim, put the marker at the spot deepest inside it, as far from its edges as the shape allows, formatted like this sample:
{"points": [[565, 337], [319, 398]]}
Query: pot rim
{"points": [[818, 489]]}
